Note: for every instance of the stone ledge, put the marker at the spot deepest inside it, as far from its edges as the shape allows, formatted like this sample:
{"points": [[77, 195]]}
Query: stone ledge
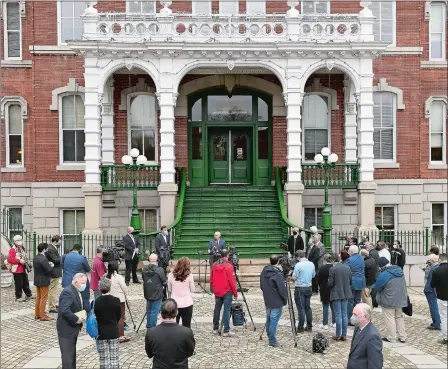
{"points": [[51, 50], [13, 170], [16, 63], [386, 165], [403, 50], [434, 64], [62, 167]]}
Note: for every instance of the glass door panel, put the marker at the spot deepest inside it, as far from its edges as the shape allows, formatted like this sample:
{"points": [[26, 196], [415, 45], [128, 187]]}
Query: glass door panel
{"points": [[241, 163], [219, 157]]}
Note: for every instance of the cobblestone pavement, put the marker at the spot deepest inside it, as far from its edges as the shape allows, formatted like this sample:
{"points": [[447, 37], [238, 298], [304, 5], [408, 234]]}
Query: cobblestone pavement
{"points": [[33, 344]]}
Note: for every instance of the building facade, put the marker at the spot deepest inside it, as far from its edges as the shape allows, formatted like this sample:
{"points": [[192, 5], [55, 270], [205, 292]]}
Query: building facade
{"points": [[228, 90]]}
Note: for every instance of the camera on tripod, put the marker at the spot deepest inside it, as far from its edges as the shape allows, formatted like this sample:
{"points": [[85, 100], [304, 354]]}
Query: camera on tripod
{"points": [[234, 258], [114, 252], [286, 262]]}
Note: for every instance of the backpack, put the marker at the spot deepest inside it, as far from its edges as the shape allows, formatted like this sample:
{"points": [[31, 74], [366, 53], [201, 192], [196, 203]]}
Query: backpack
{"points": [[92, 323], [238, 315], [320, 343]]}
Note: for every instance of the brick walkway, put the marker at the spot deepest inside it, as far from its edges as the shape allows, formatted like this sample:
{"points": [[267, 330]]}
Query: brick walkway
{"points": [[26, 343]]}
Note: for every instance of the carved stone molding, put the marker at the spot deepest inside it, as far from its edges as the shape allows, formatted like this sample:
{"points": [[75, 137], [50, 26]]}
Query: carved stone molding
{"points": [[317, 87], [428, 7], [350, 108], [384, 86], [141, 86], [8, 100], [431, 100], [72, 87]]}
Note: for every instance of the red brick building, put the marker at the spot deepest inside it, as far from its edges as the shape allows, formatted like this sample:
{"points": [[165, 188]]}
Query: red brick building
{"points": [[80, 88]]}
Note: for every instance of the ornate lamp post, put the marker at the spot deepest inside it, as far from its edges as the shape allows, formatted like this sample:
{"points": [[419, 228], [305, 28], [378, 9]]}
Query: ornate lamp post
{"points": [[326, 160], [133, 162]]}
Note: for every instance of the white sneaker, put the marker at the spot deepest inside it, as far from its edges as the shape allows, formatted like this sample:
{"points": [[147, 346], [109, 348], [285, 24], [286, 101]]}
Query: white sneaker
{"points": [[215, 331], [320, 326], [228, 334], [325, 327], [333, 325]]}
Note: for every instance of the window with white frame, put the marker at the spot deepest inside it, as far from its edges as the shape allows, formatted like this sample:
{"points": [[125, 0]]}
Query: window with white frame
{"points": [[14, 135], [255, 6], [385, 218], [149, 219], [71, 26], [71, 115], [15, 222], [201, 7], [316, 7], [143, 125], [439, 223], [141, 6], [437, 31], [12, 23], [384, 25], [438, 124], [384, 116], [228, 7], [313, 217], [73, 221], [316, 123]]}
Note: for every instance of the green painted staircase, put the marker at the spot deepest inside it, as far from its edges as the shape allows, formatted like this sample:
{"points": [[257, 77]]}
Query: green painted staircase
{"points": [[248, 218]]}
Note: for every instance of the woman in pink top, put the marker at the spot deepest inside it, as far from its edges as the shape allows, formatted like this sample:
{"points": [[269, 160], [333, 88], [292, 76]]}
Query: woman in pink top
{"points": [[181, 286]]}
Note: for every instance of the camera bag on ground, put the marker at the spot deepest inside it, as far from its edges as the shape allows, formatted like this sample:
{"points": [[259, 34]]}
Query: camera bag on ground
{"points": [[238, 315], [320, 343]]}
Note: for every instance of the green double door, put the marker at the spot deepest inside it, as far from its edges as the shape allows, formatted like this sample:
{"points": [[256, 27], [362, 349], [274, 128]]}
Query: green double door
{"points": [[230, 155]]}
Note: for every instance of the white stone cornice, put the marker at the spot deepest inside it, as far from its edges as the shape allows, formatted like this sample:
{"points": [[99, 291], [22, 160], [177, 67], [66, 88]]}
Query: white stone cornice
{"points": [[430, 100]]}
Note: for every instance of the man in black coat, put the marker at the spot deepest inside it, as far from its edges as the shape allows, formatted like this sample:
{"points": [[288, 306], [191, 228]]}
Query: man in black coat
{"points": [[163, 247], [295, 242], [69, 324], [371, 272], [439, 282], [397, 255], [54, 256], [131, 255], [275, 296], [366, 350], [169, 343], [42, 272]]}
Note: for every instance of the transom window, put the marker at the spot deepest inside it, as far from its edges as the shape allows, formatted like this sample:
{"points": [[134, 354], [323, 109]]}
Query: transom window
{"points": [[315, 116], [144, 6], [143, 125], [71, 26], [230, 109], [384, 26], [438, 124], [14, 135], [72, 123], [12, 30], [73, 221], [384, 112], [437, 31], [316, 7]]}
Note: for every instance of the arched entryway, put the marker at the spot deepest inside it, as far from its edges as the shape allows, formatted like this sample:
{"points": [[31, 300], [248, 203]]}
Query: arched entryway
{"points": [[229, 137]]}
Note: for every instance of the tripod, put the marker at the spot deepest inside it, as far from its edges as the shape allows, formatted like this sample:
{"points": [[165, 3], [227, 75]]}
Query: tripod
{"points": [[245, 302], [205, 279], [292, 316]]}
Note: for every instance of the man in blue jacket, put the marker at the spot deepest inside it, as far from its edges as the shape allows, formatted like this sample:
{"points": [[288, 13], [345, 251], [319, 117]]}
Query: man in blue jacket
{"points": [[275, 296], [392, 296], [430, 293], [356, 264]]}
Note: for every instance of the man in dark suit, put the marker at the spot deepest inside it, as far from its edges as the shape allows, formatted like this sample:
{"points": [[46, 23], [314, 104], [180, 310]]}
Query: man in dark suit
{"points": [[54, 256], [295, 242], [131, 255], [69, 324], [169, 343], [214, 248], [366, 350], [163, 246]]}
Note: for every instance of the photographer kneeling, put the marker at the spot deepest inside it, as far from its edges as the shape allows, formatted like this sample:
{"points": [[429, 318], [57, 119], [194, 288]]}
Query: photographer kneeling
{"points": [[223, 283], [275, 297]]}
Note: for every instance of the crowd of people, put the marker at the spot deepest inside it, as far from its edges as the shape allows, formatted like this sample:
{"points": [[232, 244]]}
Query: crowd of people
{"points": [[362, 276]]}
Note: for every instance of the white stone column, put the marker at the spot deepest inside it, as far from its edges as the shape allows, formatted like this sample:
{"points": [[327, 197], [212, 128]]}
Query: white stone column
{"points": [[167, 101], [367, 186], [92, 189], [351, 124], [107, 124], [294, 187]]}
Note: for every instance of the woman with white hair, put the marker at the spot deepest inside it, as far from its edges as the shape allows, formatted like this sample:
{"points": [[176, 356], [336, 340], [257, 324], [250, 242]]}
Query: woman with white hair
{"points": [[108, 313]]}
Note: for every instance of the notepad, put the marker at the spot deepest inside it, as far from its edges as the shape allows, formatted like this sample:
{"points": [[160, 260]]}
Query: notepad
{"points": [[81, 314]]}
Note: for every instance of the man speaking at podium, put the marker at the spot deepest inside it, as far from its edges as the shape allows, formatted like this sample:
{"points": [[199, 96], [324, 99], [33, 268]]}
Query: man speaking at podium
{"points": [[214, 248]]}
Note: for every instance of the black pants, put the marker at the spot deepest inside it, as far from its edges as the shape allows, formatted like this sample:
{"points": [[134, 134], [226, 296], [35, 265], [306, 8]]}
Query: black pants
{"points": [[131, 265], [68, 352], [21, 283], [186, 314], [314, 285]]}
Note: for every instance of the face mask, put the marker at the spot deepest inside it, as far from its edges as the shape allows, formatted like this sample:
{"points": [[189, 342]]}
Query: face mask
{"points": [[19, 243], [294, 233], [355, 320], [165, 233], [82, 287]]}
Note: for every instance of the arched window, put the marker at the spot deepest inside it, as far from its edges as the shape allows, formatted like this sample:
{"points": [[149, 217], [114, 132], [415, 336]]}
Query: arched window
{"points": [[436, 111], [316, 123], [142, 118]]}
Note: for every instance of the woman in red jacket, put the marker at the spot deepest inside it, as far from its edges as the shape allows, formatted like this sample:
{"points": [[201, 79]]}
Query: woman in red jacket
{"points": [[17, 259]]}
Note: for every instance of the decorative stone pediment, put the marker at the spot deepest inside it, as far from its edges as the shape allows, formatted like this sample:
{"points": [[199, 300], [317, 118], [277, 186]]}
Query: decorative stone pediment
{"points": [[317, 87], [14, 100], [72, 87], [428, 7], [430, 100], [384, 86], [141, 86]]}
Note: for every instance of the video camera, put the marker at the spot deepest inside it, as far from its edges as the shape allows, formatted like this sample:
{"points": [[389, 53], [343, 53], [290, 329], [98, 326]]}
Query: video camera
{"points": [[286, 262], [114, 252], [233, 258]]}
